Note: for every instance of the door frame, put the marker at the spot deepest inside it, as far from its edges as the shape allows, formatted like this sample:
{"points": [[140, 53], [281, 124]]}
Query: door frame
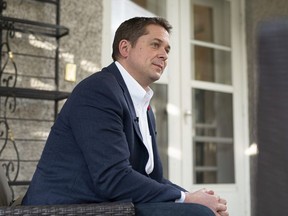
{"points": [[180, 124]]}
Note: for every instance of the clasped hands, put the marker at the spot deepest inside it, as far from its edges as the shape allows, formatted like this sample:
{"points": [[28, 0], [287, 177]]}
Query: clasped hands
{"points": [[209, 199]]}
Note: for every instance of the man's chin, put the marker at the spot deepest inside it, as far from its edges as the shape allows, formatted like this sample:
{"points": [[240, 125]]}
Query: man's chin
{"points": [[156, 78]]}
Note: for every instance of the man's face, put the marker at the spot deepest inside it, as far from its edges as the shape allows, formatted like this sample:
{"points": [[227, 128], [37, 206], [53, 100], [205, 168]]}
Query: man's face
{"points": [[147, 60]]}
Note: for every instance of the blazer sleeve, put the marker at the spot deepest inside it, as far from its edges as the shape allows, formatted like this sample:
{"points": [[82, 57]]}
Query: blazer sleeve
{"points": [[97, 111]]}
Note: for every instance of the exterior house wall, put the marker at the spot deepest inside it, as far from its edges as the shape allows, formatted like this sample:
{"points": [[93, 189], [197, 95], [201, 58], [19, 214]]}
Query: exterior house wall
{"points": [[81, 47]]}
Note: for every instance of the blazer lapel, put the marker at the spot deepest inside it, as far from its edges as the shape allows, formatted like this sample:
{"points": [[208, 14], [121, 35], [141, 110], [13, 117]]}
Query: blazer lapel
{"points": [[114, 70], [133, 113]]}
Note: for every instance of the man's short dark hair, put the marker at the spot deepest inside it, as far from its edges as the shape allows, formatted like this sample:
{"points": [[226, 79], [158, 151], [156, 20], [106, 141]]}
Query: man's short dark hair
{"points": [[134, 28]]}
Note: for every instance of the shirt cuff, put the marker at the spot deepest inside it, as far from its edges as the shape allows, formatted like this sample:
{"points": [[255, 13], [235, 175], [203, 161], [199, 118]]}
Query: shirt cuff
{"points": [[182, 198]]}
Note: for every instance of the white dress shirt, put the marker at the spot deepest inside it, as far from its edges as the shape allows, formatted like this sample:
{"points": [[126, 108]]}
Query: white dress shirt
{"points": [[141, 100]]}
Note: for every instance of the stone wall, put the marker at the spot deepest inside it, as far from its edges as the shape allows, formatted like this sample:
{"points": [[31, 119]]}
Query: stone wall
{"points": [[31, 120]]}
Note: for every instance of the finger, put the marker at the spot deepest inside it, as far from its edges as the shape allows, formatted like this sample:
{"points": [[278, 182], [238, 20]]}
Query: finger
{"points": [[205, 190], [223, 213], [222, 201], [211, 192], [221, 207]]}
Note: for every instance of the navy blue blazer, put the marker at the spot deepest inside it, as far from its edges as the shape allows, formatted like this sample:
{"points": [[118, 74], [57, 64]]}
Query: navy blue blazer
{"points": [[95, 152]]}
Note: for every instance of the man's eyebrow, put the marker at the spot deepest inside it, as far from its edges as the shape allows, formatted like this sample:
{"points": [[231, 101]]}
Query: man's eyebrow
{"points": [[161, 41]]}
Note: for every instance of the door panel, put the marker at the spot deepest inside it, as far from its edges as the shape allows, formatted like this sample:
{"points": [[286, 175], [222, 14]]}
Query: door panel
{"points": [[211, 103]]}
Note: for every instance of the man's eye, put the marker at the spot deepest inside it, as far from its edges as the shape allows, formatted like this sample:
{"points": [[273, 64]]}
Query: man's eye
{"points": [[155, 45]]}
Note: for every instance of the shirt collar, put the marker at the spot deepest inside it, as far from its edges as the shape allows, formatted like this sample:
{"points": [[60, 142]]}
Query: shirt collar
{"points": [[139, 95]]}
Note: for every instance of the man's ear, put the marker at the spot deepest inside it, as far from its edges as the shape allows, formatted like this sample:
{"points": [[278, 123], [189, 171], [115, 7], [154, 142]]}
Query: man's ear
{"points": [[124, 47]]}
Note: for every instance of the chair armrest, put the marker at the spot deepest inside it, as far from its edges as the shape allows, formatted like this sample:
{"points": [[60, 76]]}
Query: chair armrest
{"points": [[119, 209]]}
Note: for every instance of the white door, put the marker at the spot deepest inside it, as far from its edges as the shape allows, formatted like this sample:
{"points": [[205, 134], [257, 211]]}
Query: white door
{"points": [[201, 101], [213, 101]]}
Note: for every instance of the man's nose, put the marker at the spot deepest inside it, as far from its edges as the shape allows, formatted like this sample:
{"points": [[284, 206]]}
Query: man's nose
{"points": [[163, 54]]}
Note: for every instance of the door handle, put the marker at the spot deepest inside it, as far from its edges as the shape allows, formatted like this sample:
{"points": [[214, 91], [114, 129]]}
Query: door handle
{"points": [[187, 113]]}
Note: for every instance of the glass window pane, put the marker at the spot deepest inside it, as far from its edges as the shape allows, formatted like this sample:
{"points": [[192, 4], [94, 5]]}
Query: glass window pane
{"points": [[212, 65], [206, 177], [159, 105], [213, 140], [211, 22], [213, 113], [156, 7], [214, 163], [203, 23]]}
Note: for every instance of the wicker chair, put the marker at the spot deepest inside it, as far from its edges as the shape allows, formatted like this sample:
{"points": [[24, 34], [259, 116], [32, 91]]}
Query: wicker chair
{"points": [[9, 207], [117, 209]]}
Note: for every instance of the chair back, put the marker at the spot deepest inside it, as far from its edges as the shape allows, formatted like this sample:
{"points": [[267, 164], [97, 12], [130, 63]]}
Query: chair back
{"points": [[5, 191]]}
